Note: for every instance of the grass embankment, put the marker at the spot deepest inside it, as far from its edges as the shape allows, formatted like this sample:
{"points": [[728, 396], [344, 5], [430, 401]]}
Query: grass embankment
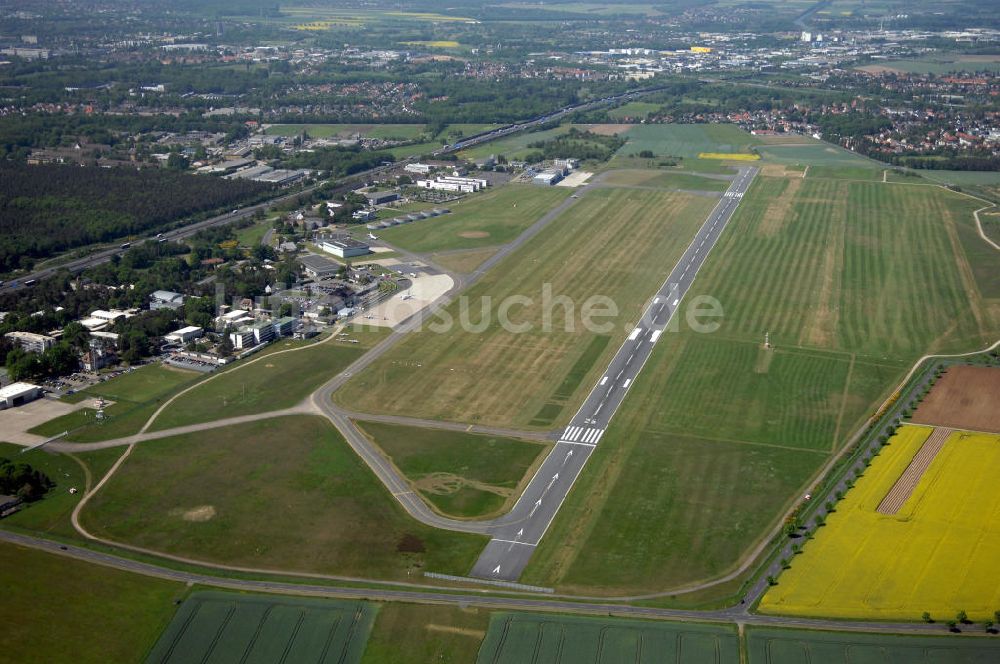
{"points": [[272, 383], [285, 493], [460, 474], [854, 281], [535, 374], [56, 609]]}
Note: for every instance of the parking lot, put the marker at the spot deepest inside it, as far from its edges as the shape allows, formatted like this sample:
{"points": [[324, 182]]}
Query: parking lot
{"points": [[15, 422]]}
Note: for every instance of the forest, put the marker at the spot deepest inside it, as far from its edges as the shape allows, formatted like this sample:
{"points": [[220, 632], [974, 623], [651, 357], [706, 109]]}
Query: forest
{"points": [[576, 144], [23, 481], [47, 209]]}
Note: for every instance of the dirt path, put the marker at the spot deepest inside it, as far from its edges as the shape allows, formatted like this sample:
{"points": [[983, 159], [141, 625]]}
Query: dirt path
{"points": [[908, 481]]}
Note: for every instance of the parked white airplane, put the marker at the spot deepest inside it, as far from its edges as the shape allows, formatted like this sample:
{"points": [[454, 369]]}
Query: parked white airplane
{"points": [[371, 236], [407, 296]]}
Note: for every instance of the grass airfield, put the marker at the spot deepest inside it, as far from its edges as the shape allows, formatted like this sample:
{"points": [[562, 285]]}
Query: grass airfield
{"points": [[460, 474], [285, 493], [491, 375], [854, 281]]}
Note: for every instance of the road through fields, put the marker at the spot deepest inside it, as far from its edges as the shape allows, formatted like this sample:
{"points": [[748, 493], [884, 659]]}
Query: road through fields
{"points": [[514, 541]]}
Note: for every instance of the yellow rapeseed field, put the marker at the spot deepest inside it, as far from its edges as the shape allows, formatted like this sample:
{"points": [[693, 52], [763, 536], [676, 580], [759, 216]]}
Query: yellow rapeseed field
{"points": [[732, 156], [938, 554]]}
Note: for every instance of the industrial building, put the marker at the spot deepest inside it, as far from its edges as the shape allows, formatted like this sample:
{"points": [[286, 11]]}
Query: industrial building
{"points": [[547, 178], [17, 394], [344, 246], [162, 299], [418, 168], [452, 183], [31, 342], [381, 197], [185, 334], [318, 267]]}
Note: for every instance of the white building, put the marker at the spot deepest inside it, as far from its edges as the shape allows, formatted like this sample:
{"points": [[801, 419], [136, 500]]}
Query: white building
{"points": [[547, 178], [452, 183], [420, 169], [185, 334], [17, 394], [31, 342], [344, 246], [162, 299]]}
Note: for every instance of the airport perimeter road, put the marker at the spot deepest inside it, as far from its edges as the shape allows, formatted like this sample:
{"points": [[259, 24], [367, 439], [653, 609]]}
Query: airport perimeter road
{"points": [[410, 592], [508, 553]]}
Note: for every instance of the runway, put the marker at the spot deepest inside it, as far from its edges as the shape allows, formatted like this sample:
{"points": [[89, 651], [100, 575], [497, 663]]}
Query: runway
{"points": [[514, 542]]}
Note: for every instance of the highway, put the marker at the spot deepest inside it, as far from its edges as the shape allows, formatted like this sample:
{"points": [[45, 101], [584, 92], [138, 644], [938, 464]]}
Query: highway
{"points": [[513, 542], [104, 255]]}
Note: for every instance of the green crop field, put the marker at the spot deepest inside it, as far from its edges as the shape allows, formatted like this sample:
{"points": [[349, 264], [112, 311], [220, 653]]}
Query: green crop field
{"points": [[854, 281], [633, 109], [534, 377], [418, 634], [218, 627], [686, 141], [58, 609], [665, 180], [461, 474], [524, 638], [285, 493], [274, 382], [484, 220], [136, 396], [787, 646]]}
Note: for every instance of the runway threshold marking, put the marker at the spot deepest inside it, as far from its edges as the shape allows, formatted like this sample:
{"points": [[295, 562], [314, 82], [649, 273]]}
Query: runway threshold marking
{"points": [[506, 541], [573, 442]]}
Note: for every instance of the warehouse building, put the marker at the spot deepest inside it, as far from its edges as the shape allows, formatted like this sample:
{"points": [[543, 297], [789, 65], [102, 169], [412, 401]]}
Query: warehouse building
{"points": [[381, 197], [162, 299], [17, 394], [547, 178], [452, 183], [344, 247], [185, 334], [318, 267]]}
